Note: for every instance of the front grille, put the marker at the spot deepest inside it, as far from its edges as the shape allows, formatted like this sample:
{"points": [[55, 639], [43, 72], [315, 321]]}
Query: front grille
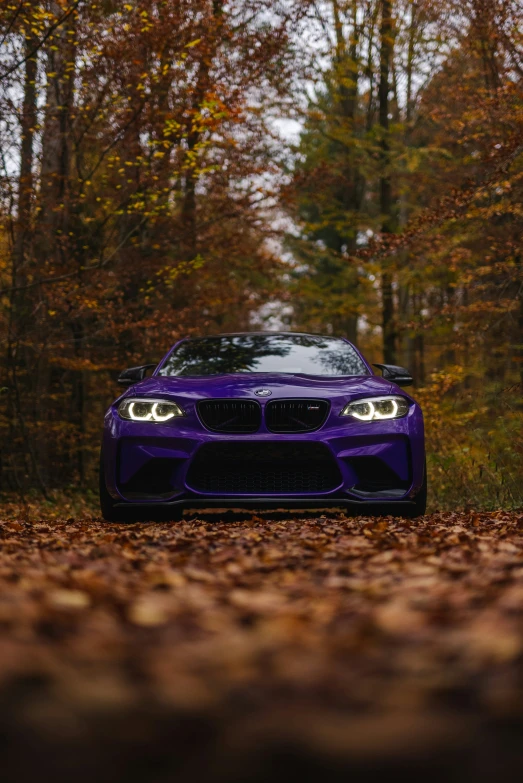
{"points": [[235, 416], [295, 415], [263, 469]]}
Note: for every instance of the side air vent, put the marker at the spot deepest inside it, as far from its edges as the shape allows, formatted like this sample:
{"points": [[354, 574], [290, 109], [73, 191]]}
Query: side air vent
{"points": [[374, 475], [154, 480]]}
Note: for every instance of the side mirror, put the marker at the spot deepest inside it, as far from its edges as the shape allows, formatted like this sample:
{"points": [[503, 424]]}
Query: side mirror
{"points": [[134, 374], [398, 375]]}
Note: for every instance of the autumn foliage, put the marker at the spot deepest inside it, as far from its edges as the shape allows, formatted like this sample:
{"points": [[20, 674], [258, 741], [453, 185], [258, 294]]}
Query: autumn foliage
{"points": [[150, 189], [138, 165], [233, 649], [182, 167]]}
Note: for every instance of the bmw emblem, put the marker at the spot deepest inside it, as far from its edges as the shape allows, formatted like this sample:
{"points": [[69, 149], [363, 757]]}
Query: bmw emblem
{"points": [[263, 392]]}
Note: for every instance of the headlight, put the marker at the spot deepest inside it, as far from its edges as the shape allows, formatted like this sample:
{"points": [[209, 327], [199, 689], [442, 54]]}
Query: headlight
{"points": [[148, 410], [377, 408]]}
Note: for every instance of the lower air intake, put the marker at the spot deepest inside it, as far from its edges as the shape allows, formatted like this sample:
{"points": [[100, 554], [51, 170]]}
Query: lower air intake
{"points": [[154, 480], [263, 469], [374, 475]]}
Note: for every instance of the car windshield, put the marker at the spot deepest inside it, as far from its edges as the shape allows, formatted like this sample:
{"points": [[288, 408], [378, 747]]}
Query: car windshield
{"points": [[264, 353]]}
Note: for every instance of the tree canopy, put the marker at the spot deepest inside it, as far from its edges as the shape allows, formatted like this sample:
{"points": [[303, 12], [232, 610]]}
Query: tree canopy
{"points": [[149, 190]]}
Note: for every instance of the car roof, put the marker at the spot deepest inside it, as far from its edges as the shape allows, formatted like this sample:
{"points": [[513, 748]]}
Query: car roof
{"points": [[265, 334]]}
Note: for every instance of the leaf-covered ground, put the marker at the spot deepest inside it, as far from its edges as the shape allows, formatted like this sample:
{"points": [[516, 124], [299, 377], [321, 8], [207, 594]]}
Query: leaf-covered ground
{"points": [[262, 649]]}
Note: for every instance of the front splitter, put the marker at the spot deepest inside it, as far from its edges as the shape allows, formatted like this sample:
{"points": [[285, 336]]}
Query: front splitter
{"points": [[264, 502]]}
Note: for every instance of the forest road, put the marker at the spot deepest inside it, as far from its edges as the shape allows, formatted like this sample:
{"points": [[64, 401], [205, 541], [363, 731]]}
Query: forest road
{"points": [[255, 649]]}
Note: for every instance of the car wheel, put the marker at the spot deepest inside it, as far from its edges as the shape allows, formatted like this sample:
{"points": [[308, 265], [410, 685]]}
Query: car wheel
{"points": [[420, 501], [107, 505]]}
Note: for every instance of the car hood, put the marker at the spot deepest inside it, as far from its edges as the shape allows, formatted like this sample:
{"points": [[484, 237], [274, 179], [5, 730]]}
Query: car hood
{"points": [[279, 384]]}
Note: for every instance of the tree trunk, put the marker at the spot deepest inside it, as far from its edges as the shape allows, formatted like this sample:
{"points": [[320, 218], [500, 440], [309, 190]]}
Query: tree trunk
{"points": [[25, 181], [53, 244], [519, 350], [347, 75], [388, 325], [190, 230], [410, 59], [56, 140], [17, 361], [78, 399], [406, 297]]}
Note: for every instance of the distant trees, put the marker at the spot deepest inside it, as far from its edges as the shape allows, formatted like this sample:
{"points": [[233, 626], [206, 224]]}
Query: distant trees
{"points": [[142, 186], [424, 98], [415, 247], [136, 168]]}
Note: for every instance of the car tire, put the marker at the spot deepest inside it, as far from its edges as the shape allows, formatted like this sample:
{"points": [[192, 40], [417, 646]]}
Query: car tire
{"points": [[107, 505], [420, 501], [113, 513], [418, 505]]}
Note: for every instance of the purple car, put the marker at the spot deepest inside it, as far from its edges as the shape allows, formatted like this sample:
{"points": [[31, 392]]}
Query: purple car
{"points": [[263, 419]]}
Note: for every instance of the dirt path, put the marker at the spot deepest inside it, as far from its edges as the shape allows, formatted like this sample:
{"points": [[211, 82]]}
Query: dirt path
{"points": [[256, 650]]}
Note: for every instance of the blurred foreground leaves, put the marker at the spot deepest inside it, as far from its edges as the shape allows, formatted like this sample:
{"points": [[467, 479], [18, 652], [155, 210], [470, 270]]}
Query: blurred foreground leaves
{"points": [[239, 649]]}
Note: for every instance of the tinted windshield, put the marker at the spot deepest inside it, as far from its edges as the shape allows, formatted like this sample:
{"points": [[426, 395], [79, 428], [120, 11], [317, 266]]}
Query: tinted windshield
{"points": [[273, 353]]}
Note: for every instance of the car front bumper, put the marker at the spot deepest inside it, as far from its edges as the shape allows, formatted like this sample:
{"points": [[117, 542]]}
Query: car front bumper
{"points": [[370, 463]]}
